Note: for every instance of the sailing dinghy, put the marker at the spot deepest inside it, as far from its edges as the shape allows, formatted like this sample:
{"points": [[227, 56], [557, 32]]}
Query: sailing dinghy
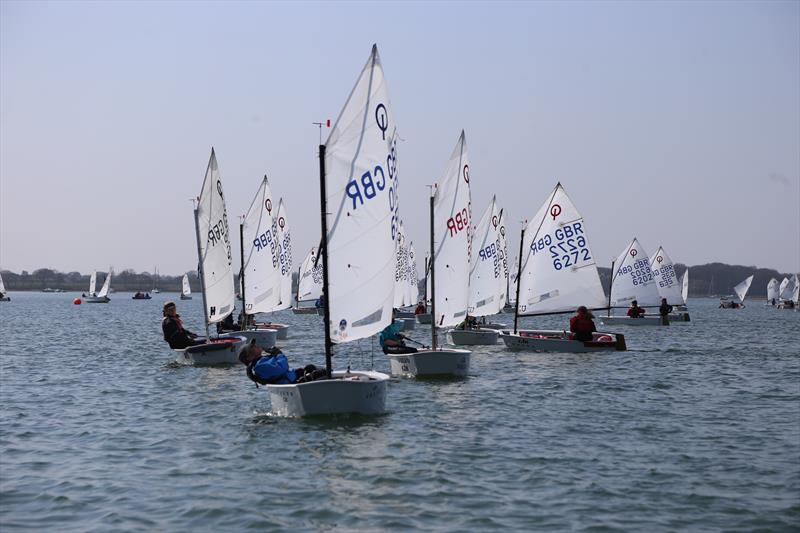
{"points": [[788, 293], [3, 296], [684, 291], [773, 292], [450, 219], [102, 296], [667, 284], [186, 289], [557, 273], [358, 197], [485, 279], [632, 279], [261, 275], [216, 272], [309, 284], [741, 292]]}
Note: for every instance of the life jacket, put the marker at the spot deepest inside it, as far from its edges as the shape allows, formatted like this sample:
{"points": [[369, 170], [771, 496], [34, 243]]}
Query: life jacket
{"points": [[581, 324]]}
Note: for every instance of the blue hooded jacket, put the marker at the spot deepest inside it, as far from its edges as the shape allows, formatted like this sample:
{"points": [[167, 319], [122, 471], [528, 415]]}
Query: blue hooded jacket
{"points": [[274, 369]]}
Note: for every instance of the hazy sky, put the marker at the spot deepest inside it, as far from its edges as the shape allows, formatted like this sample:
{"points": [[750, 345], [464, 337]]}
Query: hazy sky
{"points": [[675, 122]]}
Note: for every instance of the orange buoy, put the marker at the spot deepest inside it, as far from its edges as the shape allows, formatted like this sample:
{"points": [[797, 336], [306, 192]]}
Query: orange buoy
{"points": [[77, 301]]}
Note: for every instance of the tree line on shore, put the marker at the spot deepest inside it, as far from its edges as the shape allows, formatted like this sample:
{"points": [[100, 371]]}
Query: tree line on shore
{"points": [[711, 279]]}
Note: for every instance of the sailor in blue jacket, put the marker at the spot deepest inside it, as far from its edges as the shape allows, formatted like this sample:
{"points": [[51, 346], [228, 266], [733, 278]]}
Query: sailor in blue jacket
{"points": [[272, 367]]}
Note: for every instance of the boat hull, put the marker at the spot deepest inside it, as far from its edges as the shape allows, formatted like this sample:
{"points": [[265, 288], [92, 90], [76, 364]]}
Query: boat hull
{"points": [[96, 300], [680, 316], [184, 297], [473, 337], [405, 314], [406, 324], [304, 310], [431, 363], [5, 299], [281, 329], [221, 351], [266, 338], [641, 321], [349, 392], [424, 318], [560, 341]]}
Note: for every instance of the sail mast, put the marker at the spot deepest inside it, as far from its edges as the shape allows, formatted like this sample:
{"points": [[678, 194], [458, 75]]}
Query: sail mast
{"points": [[433, 281], [324, 252], [241, 273], [200, 265], [610, 286], [519, 273]]}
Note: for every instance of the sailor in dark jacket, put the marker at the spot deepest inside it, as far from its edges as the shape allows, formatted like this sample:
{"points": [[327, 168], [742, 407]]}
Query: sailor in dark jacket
{"points": [[174, 332]]}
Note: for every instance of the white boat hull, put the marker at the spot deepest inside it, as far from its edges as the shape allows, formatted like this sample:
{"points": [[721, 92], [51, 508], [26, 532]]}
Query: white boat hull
{"points": [[560, 341], [492, 325], [406, 314], [443, 363], [184, 297], [224, 352], [471, 337], [281, 329], [96, 300], [680, 316], [349, 392], [266, 338], [654, 320], [407, 324], [424, 318], [304, 310]]}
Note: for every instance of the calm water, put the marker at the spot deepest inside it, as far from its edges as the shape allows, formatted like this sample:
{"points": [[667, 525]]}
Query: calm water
{"points": [[696, 427]]}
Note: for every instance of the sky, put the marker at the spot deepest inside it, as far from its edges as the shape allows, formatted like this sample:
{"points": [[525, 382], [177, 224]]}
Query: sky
{"points": [[674, 122]]}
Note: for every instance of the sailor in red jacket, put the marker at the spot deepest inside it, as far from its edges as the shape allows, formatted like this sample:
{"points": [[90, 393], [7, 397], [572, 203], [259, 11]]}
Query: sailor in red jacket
{"points": [[634, 311], [581, 325]]}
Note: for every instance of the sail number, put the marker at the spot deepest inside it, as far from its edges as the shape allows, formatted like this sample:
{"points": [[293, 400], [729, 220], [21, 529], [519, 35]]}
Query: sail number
{"points": [[640, 272], [459, 222], [567, 246], [668, 277], [373, 182]]}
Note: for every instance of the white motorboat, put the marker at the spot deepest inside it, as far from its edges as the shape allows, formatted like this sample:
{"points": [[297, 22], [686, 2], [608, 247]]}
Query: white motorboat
{"points": [[358, 233], [562, 341], [557, 273], [102, 296]]}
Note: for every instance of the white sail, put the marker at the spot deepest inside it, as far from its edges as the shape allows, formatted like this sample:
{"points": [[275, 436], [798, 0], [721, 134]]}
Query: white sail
{"points": [[452, 219], [685, 287], [796, 291], [310, 282], [633, 279], [486, 267], [502, 250], [214, 246], [262, 275], [742, 288], [773, 290], [401, 270], [559, 271], [106, 285], [2, 285], [785, 290], [362, 205], [412, 279], [186, 289], [93, 283], [285, 256], [665, 277]]}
